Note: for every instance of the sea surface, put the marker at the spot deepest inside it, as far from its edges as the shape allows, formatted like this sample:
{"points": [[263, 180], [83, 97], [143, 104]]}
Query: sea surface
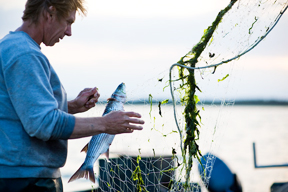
{"points": [[227, 131]]}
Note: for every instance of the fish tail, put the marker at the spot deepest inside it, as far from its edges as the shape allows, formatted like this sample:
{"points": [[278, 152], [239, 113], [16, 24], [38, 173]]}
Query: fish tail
{"points": [[83, 172]]}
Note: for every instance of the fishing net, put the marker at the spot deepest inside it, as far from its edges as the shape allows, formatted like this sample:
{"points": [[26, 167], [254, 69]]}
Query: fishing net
{"points": [[181, 127]]}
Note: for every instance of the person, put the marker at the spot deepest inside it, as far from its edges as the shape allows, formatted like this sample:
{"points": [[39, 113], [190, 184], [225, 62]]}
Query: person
{"points": [[36, 120]]}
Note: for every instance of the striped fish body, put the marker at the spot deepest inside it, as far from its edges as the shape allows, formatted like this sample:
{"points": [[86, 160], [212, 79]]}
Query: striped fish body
{"points": [[99, 144]]}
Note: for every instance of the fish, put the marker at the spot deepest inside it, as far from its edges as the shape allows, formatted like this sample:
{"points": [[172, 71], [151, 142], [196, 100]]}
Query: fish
{"points": [[99, 144]]}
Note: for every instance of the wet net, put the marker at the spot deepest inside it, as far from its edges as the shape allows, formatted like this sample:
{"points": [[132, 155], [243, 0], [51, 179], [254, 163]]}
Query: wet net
{"points": [[182, 127]]}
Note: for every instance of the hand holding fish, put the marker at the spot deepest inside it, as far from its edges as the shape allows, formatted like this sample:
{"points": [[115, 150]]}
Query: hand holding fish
{"points": [[114, 121], [118, 122], [85, 100]]}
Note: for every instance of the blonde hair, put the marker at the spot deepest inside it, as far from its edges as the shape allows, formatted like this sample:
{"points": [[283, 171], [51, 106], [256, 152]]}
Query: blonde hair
{"points": [[34, 8]]}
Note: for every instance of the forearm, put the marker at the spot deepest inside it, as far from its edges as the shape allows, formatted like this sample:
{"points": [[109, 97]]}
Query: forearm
{"points": [[88, 126], [116, 122]]}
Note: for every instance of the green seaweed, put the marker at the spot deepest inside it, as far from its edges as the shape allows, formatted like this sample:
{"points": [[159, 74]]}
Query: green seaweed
{"points": [[159, 105], [256, 19], [150, 101], [223, 78], [190, 99], [164, 135], [174, 156], [136, 175]]}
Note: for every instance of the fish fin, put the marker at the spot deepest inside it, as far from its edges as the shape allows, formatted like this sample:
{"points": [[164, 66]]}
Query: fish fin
{"points": [[85, 149], [83, 172], [111, 99], [106, 154]]}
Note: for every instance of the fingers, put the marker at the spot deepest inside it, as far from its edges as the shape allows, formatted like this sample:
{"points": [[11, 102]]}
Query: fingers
{"points": [[92, 97], [123, 122], [90, 105], [93, 93], [91, 101], [90, 92], [127, 130], [131, 129], [134, 127], [132, 114], [84, 90], [130, 122], [136, 121], [130, 118]]}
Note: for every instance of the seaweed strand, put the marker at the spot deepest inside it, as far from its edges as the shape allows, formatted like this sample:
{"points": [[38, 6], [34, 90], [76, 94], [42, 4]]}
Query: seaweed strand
{"points": [[191, 112]]}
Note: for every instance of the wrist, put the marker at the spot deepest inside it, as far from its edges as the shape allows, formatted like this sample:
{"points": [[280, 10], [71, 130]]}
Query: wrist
{"points": [[102, 124], [71, 107]]}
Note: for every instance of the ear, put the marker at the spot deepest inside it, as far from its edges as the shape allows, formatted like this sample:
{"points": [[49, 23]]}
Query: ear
{"points": [[50, 13], [52, 9]]}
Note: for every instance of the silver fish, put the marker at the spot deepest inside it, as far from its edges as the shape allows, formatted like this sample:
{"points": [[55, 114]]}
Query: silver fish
{"points": [[99, 144]]}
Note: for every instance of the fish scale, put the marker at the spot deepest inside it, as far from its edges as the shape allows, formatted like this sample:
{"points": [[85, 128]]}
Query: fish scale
{"points": [[97, 147], [99, 144]]}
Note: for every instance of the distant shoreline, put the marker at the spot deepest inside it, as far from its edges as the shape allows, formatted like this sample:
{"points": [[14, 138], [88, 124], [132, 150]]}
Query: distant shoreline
{"points": [[218, 102], [250, 102]]}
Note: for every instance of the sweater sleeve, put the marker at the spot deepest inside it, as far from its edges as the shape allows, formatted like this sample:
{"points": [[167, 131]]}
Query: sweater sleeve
{"points": [[28, 84]]}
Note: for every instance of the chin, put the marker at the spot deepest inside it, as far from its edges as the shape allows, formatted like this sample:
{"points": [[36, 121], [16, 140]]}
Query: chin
{"points": [[50, 44]]}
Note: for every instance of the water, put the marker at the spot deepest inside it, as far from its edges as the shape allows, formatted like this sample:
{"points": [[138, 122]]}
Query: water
{"points": [[226, 131]]}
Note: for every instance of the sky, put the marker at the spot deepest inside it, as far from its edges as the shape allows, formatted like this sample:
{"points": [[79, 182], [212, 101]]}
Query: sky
{"points": [[136, 42]]}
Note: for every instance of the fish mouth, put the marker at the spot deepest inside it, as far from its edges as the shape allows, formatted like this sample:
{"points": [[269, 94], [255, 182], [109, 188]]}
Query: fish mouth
{"points": [[122, 85], [122, 88]]}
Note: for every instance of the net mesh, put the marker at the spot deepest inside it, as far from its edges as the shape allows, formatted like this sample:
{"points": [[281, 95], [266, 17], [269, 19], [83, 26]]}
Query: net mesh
{"points": [[154, 159]]}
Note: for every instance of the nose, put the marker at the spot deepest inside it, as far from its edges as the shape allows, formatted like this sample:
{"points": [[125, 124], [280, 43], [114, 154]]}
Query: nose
{"points": [[68, 31]]}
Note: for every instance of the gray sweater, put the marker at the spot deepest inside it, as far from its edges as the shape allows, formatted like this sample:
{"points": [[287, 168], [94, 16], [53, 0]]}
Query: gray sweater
{"points": [[34, 123]]}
